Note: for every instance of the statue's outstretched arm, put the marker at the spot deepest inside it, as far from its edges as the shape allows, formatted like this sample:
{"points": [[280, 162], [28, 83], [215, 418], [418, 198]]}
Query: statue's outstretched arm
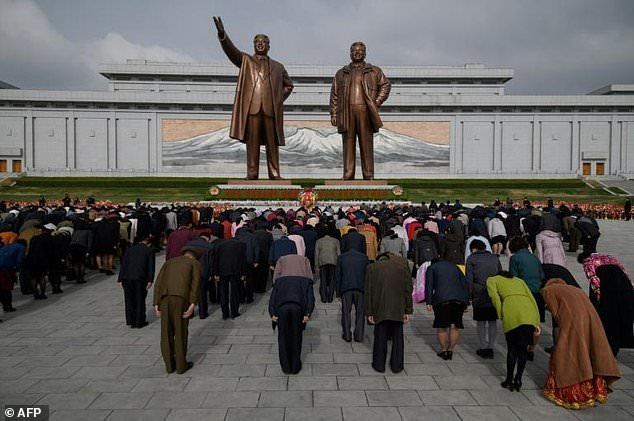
{"points": [[230, 50]]}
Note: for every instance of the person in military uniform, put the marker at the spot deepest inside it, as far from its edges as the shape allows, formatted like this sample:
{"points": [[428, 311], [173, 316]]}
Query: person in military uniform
{"points": [[175, 296]]}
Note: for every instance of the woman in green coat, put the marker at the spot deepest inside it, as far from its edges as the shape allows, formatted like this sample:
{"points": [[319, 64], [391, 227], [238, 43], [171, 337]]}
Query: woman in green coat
{"points": [[517, 309]]}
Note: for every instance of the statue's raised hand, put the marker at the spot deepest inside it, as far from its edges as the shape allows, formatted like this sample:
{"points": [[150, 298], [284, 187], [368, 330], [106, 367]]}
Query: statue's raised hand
{"points": [[219, 26]]}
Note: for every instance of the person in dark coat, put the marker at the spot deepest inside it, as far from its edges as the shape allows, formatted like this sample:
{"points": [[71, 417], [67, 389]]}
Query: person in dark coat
{"points": [[291, 304], [531, 224], [245, 235], [426, 247], [106, 240], [175, 297], [454, 244], [388, 304], [229, 270], [60, 241], [280, 247], [264, 239], [447, 294], [205, 244], [627, 209], [135, 277], [38, 260], [310, 236], [589, 230], [353, 240], [480, 265], [350, 284], [80, 245]]}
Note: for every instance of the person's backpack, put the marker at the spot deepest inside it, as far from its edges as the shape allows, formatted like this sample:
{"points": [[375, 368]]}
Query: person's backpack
{"points": [[427, 249]]}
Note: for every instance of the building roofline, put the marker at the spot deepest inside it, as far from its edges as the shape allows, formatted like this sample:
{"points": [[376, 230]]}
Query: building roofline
{"points": [[145, 67], [311, 99], [613, 89], [5, 85]]}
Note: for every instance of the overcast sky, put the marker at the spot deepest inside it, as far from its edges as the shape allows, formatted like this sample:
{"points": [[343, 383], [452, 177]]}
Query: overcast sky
{"points": [[555, 46]]}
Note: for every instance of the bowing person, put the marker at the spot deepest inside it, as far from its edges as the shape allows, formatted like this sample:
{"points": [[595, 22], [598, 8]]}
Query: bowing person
{"points": [[290, 306]]}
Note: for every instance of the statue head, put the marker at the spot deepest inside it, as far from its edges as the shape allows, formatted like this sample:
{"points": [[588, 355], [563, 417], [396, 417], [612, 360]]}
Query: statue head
{"points": [[261, 44], [357, 52]]}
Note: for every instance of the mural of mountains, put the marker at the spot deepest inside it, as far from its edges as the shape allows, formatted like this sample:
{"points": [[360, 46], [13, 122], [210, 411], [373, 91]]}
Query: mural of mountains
{"points": [[306, 148]]}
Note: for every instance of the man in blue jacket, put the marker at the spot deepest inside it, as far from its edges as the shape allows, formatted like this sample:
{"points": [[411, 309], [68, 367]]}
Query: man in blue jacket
{"points": [[447, 294], [11, 258], [290, 306], [349, 280]]}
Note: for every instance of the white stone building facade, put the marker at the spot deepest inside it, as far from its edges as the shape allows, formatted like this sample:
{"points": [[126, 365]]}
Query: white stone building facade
{"points": [[170, 119]]}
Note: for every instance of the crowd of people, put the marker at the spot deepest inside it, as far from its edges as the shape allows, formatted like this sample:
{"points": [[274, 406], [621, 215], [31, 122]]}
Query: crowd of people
{"points": [[378, 259]]}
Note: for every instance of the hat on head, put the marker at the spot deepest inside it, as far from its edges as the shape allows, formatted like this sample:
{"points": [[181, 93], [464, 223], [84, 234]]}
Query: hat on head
{"points": [[194, 250]]}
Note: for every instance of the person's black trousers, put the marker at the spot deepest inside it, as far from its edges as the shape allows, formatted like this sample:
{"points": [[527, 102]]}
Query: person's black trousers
{"points": [[229, 296], [382, 331], [212, 288], [6, 298], [135, 294], [203, 304], [289, 337], [55, 278], [246, 295], [349, 299], [589, 244], [261, 277], [327, 283], [25, 281]]}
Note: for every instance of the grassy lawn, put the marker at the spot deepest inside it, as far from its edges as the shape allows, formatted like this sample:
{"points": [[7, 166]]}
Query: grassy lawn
{"points": [[155, 189]]}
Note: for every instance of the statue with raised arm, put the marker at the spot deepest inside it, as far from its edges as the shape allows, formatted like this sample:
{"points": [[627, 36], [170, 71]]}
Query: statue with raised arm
{"points": [[357, 92], [258, 108]]}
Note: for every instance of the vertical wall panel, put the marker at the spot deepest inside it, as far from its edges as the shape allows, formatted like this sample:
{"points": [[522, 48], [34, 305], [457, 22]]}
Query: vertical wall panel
{"points": [[132, 144], [49, 138], [517, 146], [12, 132], [556, 146], [629, 148], [91, 148], [478, 147]]}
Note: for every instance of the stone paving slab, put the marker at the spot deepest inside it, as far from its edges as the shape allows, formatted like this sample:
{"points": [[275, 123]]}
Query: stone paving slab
{"points": [[74, 353]]}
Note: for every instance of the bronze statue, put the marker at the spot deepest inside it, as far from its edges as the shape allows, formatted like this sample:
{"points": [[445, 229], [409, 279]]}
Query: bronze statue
{"points": [[357, 92], [258, 110]]}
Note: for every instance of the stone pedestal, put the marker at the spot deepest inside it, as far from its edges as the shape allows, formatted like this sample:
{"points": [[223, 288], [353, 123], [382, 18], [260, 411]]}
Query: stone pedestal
{"points": [[284, 190]]}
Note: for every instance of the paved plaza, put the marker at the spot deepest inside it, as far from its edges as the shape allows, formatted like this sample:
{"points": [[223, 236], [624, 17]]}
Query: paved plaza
{"points": [[75, 353]]}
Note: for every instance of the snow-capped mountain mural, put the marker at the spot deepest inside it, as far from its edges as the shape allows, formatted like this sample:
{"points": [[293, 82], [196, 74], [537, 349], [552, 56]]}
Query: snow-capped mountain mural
{"points": [[307, 151]]}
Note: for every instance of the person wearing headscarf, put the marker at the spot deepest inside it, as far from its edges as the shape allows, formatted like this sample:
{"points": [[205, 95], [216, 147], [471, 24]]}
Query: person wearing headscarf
{"points": [[556, 271], [612, 294], [582, 368]]}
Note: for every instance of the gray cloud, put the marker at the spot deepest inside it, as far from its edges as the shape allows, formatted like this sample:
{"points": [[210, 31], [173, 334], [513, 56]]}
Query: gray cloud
{"points": [[555, 47]]}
